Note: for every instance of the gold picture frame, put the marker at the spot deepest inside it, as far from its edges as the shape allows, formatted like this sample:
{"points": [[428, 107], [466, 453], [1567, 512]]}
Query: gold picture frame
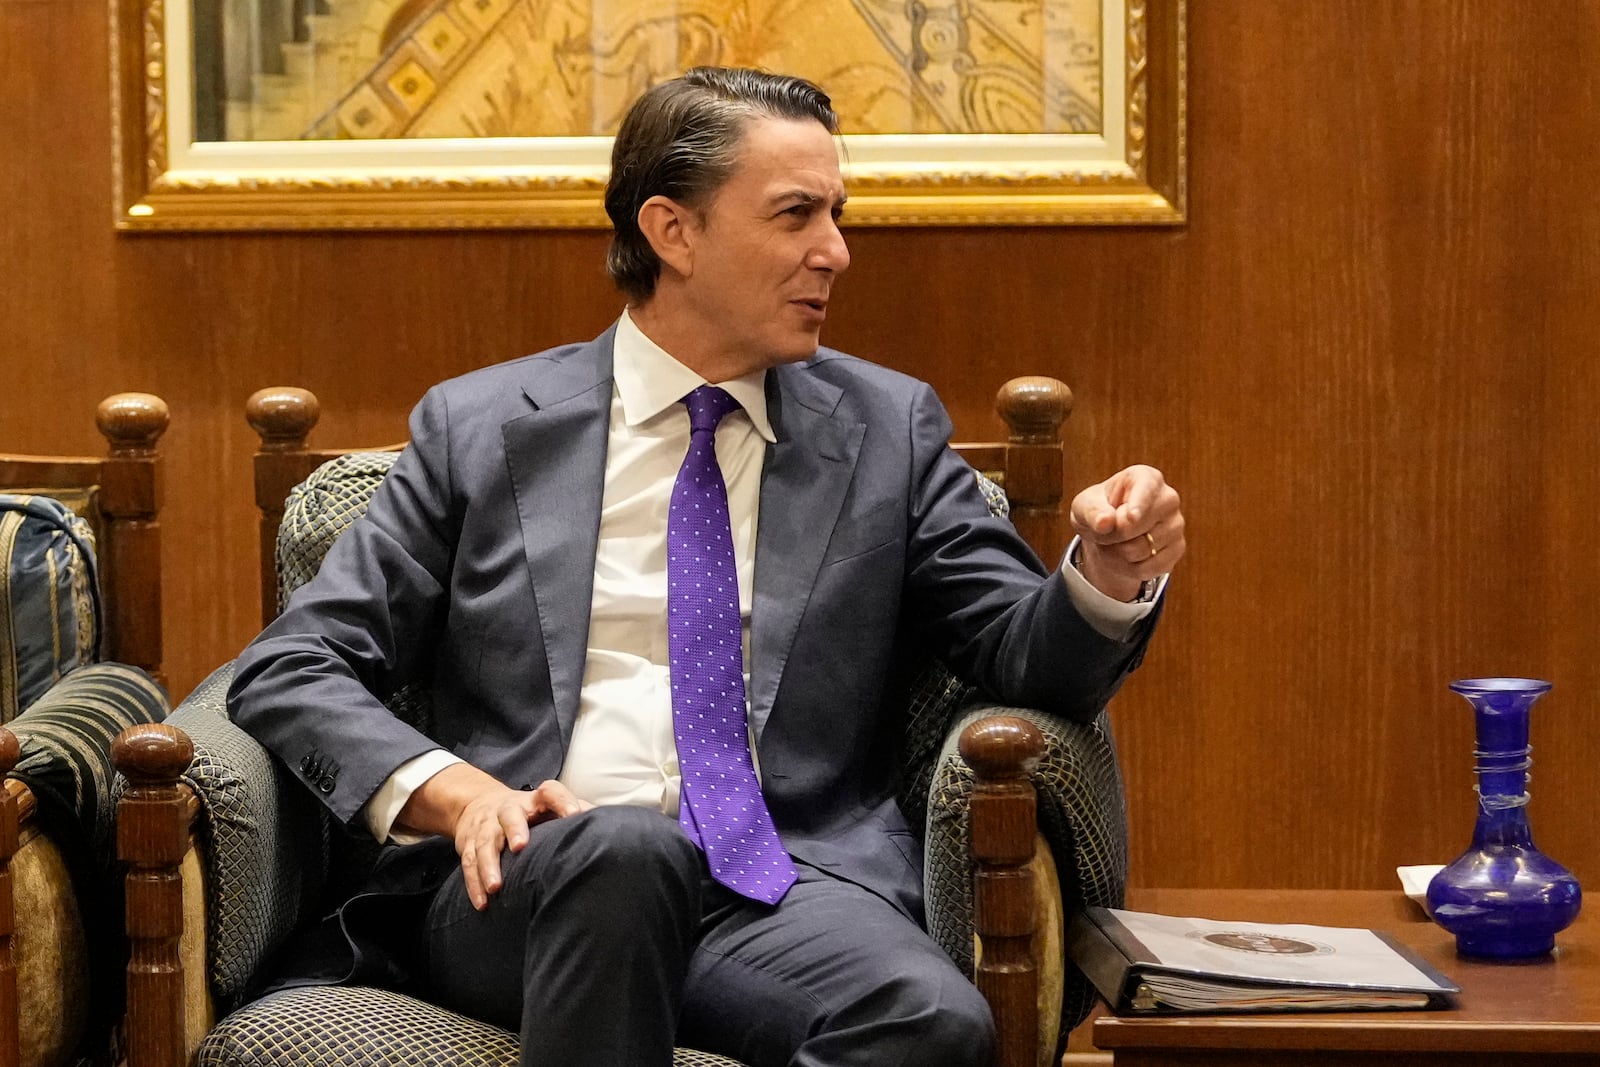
{"points": [[1131, 171]]}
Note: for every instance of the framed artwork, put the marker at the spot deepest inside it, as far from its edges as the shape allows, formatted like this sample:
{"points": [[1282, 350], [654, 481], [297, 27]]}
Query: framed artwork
{"points": [[401, 114]]}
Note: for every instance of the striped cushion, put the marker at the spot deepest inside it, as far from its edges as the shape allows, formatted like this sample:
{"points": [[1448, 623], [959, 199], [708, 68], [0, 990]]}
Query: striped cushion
{"points": [[66, 738], [49, 598]]}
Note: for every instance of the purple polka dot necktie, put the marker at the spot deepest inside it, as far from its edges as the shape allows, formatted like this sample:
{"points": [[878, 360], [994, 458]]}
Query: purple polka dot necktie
{"points": [[720, 805]]}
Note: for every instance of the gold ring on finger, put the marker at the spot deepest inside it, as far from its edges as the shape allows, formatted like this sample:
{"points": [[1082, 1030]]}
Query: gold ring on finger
{"points": [[1151, 541]]}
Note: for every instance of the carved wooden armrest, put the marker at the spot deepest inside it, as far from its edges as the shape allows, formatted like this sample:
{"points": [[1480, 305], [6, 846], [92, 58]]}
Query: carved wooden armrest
{"points": [[154, 820], [1003, 752]]}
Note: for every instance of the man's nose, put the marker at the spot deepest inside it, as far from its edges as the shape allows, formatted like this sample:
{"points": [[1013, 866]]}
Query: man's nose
{"points": [[831, 252]]}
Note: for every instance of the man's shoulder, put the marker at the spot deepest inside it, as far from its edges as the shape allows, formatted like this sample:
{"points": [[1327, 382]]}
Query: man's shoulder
{"points": [[863, 386], [845, 370], [578, 361]]}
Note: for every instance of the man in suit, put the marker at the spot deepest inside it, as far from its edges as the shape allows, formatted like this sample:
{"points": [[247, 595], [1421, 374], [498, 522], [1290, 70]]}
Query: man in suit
{"points": [[584, 862]]}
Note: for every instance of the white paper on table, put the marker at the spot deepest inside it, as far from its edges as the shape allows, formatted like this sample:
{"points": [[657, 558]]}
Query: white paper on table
{"points": [[1414, 881]]}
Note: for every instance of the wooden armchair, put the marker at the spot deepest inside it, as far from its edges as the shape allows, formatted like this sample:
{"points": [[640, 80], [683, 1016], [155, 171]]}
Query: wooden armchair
{"points": [[60, 929], [986, 879]]}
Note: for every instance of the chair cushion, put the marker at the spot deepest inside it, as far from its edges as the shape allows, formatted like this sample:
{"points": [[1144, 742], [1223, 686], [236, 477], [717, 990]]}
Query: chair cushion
{"points": [[321, 508], [66, 738], [49, 598], [358, 1026]]}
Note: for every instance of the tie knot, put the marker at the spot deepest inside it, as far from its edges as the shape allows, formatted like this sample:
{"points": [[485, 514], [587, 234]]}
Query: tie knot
{"points": [[707, 405]]}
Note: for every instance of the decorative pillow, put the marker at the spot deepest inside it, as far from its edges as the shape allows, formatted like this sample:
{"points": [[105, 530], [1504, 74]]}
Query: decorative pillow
{"points": [[321, 508], [49, 598]]}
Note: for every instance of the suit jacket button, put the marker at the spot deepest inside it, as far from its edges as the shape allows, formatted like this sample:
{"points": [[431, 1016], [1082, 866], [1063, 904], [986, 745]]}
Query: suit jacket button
{"points": [[327, 783], [305, 763]]}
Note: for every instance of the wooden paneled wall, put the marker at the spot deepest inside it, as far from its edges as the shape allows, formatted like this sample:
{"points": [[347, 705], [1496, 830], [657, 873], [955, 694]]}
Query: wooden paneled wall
{"points": [[1368, 361]]}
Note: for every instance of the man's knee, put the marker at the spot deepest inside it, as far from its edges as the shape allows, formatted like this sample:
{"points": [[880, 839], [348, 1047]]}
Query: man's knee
{"points": [[927, 1014], [627, 846], [959, 1023], [631, 838]]}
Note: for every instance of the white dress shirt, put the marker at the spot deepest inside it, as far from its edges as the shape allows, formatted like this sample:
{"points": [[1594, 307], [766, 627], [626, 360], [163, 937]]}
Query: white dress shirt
{"points": [[622, 749]]}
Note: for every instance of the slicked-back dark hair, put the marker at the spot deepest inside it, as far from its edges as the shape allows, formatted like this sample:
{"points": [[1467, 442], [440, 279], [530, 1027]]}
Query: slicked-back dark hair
{"points": [[681, 140]]}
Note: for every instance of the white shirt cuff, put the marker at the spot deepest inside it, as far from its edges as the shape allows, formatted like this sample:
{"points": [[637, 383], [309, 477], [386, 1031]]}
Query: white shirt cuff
{"points": [[384, 807], [1110, 618]]}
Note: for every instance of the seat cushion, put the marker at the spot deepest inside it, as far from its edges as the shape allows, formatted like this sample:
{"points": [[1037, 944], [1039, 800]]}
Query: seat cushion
{"points": [[358, 1026]]}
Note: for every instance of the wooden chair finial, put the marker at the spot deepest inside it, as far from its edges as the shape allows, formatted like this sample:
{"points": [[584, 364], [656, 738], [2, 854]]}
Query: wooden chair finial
{"points": [[10, 751], [1002, 747], [282, 417], [132, 422], [152, 753], [1034, 407]]}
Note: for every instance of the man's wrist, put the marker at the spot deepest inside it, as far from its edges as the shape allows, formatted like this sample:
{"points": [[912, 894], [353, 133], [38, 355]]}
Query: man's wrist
{"points": [[1143, 594]]}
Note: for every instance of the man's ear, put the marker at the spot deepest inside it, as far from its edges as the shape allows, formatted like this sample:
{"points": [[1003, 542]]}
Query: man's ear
{"points": [[670, 227]]}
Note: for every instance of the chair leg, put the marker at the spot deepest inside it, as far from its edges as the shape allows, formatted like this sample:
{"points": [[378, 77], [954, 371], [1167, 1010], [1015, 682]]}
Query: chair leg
{"points": [[153, 820], [1002, 752]]}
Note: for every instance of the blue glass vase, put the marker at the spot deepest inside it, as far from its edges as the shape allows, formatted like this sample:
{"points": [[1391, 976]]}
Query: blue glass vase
{"points": [[1503, 898]]}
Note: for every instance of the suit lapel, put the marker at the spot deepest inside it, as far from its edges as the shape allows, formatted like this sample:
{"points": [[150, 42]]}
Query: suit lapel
{"points": [[556, 456], [803, 486]]}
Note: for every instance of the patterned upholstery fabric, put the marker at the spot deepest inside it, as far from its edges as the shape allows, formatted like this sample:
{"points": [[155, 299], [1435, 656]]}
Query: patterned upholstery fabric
{"points": [[269, 862], [321, 508], [364, 1027], [49, 598], [994, 495], [265, 837], [66, 738]]}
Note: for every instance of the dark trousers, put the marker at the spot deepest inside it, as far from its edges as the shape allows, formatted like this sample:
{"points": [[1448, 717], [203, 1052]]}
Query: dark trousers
{"points": [[610, 943]]}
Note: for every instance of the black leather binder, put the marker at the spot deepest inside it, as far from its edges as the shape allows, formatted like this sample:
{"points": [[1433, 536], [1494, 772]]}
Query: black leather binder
{"points": [[1203, 965]]}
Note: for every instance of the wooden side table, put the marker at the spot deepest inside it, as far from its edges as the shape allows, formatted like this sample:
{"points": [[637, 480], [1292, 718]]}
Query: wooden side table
{"points": [[1543, 1012]]}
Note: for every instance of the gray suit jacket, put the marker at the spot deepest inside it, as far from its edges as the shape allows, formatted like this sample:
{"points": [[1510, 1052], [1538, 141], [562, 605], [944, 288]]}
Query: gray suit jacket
{"points": [[472, 572]]}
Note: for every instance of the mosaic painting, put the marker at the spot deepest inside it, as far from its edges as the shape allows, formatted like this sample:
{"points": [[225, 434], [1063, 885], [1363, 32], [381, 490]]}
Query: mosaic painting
{"points": [[333, 69]]}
